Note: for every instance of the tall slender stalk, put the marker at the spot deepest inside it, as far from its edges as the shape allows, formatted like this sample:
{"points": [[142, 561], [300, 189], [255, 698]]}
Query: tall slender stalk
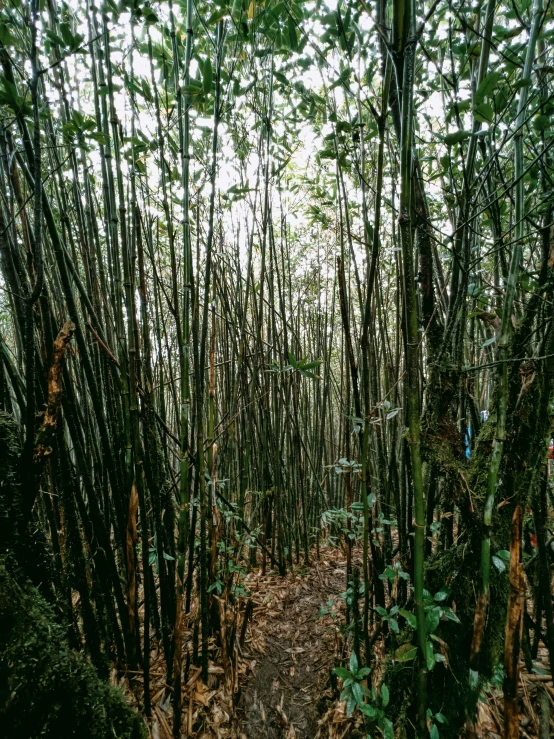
{"points": [[502, 390], [405, 47]]}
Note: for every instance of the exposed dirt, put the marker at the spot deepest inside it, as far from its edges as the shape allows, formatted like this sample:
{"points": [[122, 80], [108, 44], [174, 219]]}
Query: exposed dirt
{"points": [[291, 647]]}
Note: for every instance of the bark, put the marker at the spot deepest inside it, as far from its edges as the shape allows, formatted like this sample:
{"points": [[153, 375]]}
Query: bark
{"points": [[46, 435], [514, 629]]}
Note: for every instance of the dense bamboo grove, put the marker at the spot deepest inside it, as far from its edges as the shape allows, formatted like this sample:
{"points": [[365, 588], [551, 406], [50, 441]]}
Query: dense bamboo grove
{"points": [[273, 273]]}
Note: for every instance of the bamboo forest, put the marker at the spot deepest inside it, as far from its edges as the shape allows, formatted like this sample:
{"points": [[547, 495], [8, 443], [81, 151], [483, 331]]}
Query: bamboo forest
{"points": [[276, 369]]}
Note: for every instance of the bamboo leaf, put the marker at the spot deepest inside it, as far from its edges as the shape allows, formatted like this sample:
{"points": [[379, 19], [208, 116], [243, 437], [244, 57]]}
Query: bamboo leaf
{"points": [[432, 619], [405, 653], [455, 138], [429, 656], [409, 616], [484, 113]]}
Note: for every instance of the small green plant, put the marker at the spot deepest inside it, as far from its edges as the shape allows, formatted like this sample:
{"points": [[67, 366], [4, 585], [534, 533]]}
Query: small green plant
{"points": [[435, 612], [352, 690], [389, 617], [327, 608], [348, 595], [153, 554], [337, 519], [393, 571], [368, 700], [432, 720], [303, 366], [229, 573]]}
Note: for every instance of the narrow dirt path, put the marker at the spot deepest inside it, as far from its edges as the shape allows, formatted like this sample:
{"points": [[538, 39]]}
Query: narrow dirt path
{"points": [[291, 646]]}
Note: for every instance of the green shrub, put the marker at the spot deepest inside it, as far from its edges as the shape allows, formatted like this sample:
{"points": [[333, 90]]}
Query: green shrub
{"points": [[47, 689]]}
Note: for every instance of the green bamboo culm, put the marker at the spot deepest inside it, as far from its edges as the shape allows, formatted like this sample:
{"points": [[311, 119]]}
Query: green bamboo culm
{"points": [[284, 235], [183, 107], [404, 41], [502, 389]]}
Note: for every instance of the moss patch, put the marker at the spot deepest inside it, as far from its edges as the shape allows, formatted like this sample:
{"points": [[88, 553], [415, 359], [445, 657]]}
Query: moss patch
{"points": [[48, 690]]}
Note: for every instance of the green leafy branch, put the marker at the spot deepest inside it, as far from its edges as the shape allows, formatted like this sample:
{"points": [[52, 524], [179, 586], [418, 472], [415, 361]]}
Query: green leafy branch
{"points": [[357, 695]]}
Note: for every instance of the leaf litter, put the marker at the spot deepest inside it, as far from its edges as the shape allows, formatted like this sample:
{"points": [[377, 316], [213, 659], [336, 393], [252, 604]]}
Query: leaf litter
{"points": [[277, 686]]}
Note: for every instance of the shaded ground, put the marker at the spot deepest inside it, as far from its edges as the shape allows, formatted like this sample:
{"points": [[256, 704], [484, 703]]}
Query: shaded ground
{"points": [[282, 675], [531, 687], [294, 642], [291, 648]]}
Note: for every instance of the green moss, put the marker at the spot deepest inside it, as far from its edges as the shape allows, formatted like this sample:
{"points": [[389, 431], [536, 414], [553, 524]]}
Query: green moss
{"points": [[31, 548], [48, 690], [10, 450], [480, 460]]}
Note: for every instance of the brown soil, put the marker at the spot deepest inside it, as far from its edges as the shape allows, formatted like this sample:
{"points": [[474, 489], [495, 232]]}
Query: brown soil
{"points": [[291, 647]]}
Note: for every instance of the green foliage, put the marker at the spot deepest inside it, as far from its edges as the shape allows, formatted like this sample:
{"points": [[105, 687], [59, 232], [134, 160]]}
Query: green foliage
{"points": [[394, 571], [302, 366], [10, 97], [67, 41], [435, 720], [366, 698], [153, 555], [389, 617], [10, 449], [449, 623], [304, 108], [342, 523], [48, 690]]}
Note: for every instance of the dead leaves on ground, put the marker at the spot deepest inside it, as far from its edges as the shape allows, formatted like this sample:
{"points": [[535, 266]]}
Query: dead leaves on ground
{"points": [[301, 611]]}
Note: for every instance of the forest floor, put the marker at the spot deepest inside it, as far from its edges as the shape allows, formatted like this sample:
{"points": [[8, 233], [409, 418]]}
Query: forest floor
{"points": [[282, 684], [293, 641]]}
